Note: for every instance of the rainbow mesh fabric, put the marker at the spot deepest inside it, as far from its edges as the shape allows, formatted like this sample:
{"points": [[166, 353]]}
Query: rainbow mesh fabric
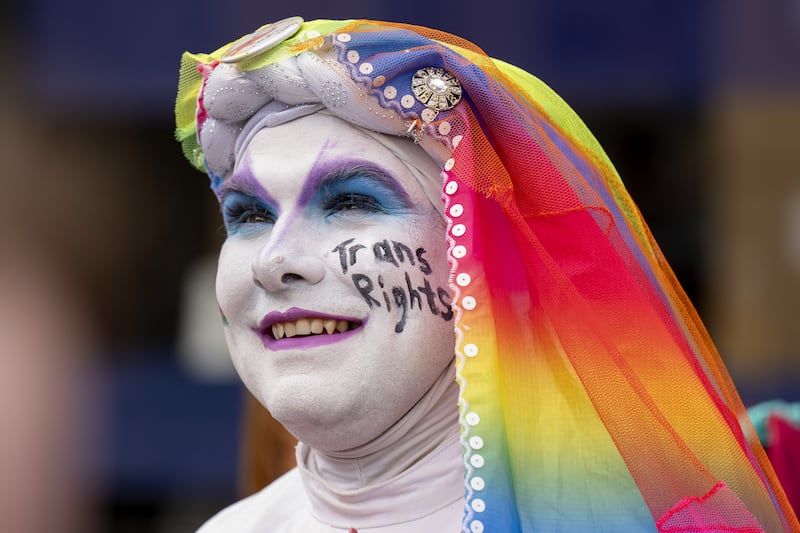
{"points": [[592, 398]]}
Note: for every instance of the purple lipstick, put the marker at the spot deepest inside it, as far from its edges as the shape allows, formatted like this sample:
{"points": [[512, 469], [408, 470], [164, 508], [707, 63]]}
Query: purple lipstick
{"points": [[298, 328]]}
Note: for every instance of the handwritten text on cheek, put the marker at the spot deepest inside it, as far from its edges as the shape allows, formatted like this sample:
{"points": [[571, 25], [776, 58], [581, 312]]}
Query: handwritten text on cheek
{"points": [[406, 296]]}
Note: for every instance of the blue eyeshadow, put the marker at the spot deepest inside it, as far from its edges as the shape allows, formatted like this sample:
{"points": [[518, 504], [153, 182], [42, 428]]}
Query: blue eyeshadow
{"points": [[244, 213], [363, 183]]}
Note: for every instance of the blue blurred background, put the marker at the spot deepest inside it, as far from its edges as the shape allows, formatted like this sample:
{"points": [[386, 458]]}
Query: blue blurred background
{"points": [[115, 383]]}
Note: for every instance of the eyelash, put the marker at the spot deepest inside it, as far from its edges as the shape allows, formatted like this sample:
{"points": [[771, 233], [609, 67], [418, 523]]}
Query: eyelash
{"points": [[242, 213], [353, 202], [247, 213]]}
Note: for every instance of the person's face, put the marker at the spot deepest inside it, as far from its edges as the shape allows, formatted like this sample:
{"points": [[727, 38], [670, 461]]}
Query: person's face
{"points": [[333, 280]]}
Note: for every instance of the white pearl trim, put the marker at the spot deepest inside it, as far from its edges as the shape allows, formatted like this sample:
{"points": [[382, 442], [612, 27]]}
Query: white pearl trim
{"points": [[476, 443], [389, 92], [477, 483], [467, 303], [476, 461]]}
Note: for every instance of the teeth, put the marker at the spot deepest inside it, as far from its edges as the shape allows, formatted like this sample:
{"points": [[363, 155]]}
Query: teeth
{"points": [[303, 327], [308, 326]]}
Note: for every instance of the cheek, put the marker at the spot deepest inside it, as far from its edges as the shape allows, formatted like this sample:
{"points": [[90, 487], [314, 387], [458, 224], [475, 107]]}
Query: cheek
{"points": [[234, 280], [402, 277]]}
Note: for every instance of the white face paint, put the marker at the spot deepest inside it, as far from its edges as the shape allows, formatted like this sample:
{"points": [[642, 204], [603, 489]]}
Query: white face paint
{"points": [[329, 231]]}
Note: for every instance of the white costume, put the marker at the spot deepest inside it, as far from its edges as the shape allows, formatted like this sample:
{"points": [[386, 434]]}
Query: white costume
{"points": [[420, 499]]}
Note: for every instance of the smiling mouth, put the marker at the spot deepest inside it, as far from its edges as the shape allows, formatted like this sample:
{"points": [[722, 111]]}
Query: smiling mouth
{"points": [[308, 327]]}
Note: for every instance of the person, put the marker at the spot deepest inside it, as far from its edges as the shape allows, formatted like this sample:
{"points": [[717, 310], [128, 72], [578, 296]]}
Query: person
{"points": [[435, 279]]}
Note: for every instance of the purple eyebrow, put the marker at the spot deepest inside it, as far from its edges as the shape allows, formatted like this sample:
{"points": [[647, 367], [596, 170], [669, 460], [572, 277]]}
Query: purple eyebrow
{"points": [[342, 169], [243, 180]]}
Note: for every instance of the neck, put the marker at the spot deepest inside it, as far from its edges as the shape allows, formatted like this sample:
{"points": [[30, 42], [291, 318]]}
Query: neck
{"points": [[432, 421]]}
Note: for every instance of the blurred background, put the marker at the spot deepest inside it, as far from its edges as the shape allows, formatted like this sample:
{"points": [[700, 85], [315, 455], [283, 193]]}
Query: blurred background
{"points": [[118, 408]]}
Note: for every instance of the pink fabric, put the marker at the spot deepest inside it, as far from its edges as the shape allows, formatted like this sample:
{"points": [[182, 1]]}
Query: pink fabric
{"points": [[784, 453]]}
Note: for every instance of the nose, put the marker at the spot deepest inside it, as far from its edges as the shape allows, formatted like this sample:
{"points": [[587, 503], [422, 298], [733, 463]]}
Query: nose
{"points": [[279, 268]]}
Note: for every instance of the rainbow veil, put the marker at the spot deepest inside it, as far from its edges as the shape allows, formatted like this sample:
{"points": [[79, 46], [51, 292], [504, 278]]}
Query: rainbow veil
{"points": [[592, 398]]}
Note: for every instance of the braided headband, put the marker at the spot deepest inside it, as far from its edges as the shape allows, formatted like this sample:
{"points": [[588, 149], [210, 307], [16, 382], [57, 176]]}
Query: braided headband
{"points": [[234, 102], [590, 393]]}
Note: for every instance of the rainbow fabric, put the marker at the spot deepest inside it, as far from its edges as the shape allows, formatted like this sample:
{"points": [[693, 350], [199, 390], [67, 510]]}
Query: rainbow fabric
{"points": [[592, 398]]}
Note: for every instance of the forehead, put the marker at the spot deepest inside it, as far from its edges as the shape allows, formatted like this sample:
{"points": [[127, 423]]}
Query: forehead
{"points": [[282, 158]]}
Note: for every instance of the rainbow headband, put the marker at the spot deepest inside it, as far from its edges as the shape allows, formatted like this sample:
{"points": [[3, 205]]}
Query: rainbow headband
{"points": [[591, 397]]}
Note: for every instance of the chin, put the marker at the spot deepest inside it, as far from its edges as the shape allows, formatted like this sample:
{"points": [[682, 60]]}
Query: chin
{"points": [[314, 418], [325, 433]]}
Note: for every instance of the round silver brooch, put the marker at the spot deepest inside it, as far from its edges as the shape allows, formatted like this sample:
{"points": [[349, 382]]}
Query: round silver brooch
{"points": [[436, 88], [262, 40]]}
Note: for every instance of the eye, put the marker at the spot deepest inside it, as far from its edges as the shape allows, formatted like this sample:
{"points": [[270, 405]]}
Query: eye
{"points": [[353, 203], [248, 214], [241, 212]]}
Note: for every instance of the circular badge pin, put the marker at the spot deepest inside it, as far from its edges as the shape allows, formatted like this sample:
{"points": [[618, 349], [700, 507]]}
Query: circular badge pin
{"points": [[436, 88], [262, 40]]}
